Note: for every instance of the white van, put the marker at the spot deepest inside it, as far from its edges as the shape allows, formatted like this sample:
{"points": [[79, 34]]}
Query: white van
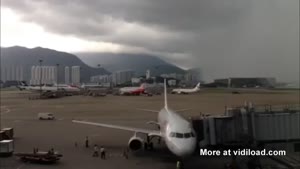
{"points": [[46, 116]]}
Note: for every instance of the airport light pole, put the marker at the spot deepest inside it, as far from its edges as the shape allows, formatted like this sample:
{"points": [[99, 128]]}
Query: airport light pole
{"points": [[57, 66], [40, 62], [0, 119], [99, 66], [80, 70]]}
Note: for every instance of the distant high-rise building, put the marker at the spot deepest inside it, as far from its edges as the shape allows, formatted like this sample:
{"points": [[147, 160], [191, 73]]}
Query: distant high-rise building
{"points": [[67, 75], [33, 75], [43, 75], [3, 71], [121, 77], [75, 75], [18, 75], [101, 79], [193, 77], [135, 80], [173, 75], [148, 75], [14, 72]]}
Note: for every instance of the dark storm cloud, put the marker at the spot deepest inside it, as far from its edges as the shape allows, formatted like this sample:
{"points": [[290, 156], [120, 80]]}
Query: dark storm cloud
{"points": [[171, 14], [225, 38], [103, 20]]}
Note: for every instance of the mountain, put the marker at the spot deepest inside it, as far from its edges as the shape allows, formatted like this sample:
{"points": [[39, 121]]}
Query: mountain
{"points": [[14, 56], [137, 62]]}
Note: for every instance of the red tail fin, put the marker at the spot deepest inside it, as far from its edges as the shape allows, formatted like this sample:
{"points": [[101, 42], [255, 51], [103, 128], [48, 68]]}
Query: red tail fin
{"points": [[142, 86]]}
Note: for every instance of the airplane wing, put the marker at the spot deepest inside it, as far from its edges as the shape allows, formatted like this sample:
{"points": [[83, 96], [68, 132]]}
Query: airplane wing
{"points": [[148, 110], [137, 130], [155, 111], [181, 110]]}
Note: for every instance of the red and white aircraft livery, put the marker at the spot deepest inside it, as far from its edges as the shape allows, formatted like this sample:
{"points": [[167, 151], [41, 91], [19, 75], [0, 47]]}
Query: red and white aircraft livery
{"points": [[132, 90]]}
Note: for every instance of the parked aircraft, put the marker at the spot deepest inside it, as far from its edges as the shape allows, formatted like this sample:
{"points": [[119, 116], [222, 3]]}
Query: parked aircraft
{"points": [[132, 90], [84, 86], [45, 88], [176, 131], [37, 88], [68, 88], [186, 91]]}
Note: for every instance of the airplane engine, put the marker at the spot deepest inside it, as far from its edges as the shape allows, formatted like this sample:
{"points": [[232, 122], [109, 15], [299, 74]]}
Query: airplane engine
{"points": [[135, 143]]}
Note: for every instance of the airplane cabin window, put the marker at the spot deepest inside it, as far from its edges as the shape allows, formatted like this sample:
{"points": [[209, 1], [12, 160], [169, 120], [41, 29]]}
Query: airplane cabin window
{"points": [[179, 135], [187, 135]]}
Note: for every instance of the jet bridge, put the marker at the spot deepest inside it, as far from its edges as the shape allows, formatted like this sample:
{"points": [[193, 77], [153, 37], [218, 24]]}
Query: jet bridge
{"points": [[271, 127], [239, 125]]}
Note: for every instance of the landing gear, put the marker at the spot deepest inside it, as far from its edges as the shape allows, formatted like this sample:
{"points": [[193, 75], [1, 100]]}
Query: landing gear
{"points": [[159, 140], [179, 164], [148, 145]]}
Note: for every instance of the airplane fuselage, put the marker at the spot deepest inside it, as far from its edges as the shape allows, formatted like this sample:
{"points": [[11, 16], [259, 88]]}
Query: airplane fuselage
{"points": [[177, 132], [132, 90], [51, 88], [183, 91], [187, 91]]}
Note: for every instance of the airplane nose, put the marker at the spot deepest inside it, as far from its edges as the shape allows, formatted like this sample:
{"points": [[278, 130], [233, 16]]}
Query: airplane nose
{"points": [[187, 149]]}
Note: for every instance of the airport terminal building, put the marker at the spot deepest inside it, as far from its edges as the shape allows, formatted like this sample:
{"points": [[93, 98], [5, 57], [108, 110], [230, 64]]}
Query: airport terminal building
{"points": [[245, 82]]}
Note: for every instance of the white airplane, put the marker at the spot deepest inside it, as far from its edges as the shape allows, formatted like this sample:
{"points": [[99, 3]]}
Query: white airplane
{"points": [[132, 90], [176, 131], [67, 88], [37, 88], [84, 86], [186, 91]]}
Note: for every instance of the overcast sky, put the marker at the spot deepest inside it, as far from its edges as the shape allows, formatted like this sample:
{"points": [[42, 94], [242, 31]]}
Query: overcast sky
{"points": [[223, 37]]}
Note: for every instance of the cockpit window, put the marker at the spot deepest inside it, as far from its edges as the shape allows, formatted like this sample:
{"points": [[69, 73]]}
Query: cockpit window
{"points": [[172, 134], [187, 135], [179, 135]]}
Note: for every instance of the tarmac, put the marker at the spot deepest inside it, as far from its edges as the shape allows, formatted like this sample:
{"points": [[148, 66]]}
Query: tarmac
{"points": [[19, 112]]}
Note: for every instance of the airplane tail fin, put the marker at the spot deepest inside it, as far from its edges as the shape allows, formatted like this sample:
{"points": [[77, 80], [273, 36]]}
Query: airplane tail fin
{"points": [[165, 94], [21, 86], [142, 86], [198, 86]]}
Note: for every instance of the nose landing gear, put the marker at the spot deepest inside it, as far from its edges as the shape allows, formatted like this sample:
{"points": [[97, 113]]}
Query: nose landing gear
{"points": [[148, 145], [179, 164]]}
